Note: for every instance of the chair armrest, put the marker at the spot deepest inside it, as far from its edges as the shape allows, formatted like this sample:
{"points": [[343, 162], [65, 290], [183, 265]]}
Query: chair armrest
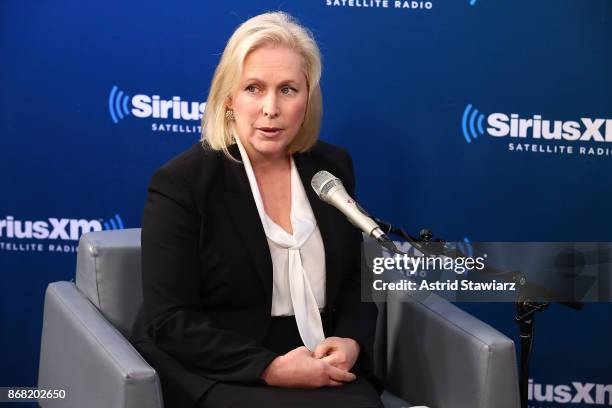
{"points": [[440, 356], [85, 355]]}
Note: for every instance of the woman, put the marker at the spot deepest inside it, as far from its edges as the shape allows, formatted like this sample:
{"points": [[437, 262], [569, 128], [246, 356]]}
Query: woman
{"points": [[251, 292]]}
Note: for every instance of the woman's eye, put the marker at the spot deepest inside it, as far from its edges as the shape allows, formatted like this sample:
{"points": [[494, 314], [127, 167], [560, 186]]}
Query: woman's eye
{"points": [[288, 90], [251, 88]]}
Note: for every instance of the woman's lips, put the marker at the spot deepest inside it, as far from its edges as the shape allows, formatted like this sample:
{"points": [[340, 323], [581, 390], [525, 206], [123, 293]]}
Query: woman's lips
{"points": [[270, 131]]}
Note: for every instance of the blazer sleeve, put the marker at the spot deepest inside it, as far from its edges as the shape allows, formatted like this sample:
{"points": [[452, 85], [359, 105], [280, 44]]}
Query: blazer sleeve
{"points": [[171, 276], [353, 318]]}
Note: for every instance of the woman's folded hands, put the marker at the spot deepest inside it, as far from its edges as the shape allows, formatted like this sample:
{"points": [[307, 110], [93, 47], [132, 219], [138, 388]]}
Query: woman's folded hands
{"points": [[328, 365]]}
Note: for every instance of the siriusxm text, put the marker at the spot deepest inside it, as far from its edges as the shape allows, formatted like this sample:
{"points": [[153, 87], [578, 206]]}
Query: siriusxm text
{"points": [[53, 228], [145, 106], [576, 393], [587, 129]]}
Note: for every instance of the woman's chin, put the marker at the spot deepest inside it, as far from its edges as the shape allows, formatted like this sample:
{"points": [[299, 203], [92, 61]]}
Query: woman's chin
{"points": [[271, 148]]}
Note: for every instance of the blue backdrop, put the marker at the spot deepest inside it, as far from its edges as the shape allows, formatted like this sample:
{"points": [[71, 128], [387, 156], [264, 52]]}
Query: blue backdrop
{"points": [[427, 96]]}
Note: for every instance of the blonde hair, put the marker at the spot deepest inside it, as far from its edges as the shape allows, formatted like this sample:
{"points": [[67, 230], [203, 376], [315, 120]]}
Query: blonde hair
{"points": [[277, 29]]}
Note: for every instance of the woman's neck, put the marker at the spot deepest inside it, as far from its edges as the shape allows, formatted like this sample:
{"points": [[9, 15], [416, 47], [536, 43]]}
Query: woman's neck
{"points": [[264, 164], [267, 163]]}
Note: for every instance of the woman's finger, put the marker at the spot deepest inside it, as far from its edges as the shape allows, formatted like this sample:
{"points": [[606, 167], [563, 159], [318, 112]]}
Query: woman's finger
{"points": [[340, 375], [322, 349], [331, 359]]}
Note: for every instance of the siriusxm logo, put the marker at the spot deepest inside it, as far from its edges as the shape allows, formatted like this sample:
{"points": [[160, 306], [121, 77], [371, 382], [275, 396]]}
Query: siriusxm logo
{"points": [[535, 127], [120, 106], [55, 228], [576, 393]]}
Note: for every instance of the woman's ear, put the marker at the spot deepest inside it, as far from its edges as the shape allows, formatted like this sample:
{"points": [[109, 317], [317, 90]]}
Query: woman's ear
{"points": [[228, 102]]}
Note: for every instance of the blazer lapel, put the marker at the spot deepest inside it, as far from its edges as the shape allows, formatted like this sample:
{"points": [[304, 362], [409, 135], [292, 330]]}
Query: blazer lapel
{"points": [[243, 210], [326, 217]]}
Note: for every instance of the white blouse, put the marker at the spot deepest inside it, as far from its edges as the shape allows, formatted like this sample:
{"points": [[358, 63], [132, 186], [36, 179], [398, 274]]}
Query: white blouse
{"points": [[298, 260]]}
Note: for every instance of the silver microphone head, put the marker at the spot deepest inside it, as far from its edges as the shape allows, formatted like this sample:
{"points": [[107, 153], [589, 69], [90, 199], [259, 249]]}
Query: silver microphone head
{"points": [[323, 182]]}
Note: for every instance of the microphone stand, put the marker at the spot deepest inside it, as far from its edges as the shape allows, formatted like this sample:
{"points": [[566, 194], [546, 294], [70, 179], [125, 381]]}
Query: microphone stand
{"points": [[525, 319], [524, 306]]}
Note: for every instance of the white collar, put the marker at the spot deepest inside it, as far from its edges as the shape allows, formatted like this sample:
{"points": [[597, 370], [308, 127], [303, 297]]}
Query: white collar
{"points": [[302, 219]]}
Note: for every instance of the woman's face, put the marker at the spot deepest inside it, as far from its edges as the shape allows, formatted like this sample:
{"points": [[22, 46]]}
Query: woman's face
{"points": [[270, 102]]}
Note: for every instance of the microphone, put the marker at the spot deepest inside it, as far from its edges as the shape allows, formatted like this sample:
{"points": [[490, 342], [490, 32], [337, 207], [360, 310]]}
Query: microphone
{"points": [[330, 189]]}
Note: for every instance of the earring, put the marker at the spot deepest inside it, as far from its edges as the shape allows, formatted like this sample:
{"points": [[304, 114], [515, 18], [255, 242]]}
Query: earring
{"points": [[229, 115]]}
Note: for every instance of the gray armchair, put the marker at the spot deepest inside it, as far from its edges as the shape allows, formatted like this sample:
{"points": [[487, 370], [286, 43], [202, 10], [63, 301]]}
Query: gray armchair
{"points": [[428, 351]]}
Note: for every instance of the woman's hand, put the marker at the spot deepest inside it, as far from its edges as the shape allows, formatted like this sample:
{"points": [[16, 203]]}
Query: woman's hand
{"points": [[299, 369], [340, 352]]}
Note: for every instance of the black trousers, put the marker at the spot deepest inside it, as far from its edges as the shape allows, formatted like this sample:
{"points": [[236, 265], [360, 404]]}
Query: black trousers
{"points": [[282, 337]]}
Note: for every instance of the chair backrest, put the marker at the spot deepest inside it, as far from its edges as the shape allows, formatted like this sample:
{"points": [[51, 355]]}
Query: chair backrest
{"points": [[108, 273]]}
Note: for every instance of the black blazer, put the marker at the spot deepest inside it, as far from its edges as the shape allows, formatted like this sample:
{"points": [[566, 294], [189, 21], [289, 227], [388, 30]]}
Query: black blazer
{"points": [[207, 273]]}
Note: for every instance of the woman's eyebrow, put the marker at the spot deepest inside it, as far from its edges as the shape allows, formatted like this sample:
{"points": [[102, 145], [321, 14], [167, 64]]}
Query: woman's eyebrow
{"points": [[253, 79]]}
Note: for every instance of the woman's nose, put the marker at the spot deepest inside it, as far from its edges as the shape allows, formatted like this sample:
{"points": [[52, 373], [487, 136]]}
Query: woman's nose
{"points": [[270, 106]]}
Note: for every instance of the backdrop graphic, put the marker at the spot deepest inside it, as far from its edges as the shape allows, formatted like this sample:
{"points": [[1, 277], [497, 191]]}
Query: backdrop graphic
{"points": [[485, 119]]}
